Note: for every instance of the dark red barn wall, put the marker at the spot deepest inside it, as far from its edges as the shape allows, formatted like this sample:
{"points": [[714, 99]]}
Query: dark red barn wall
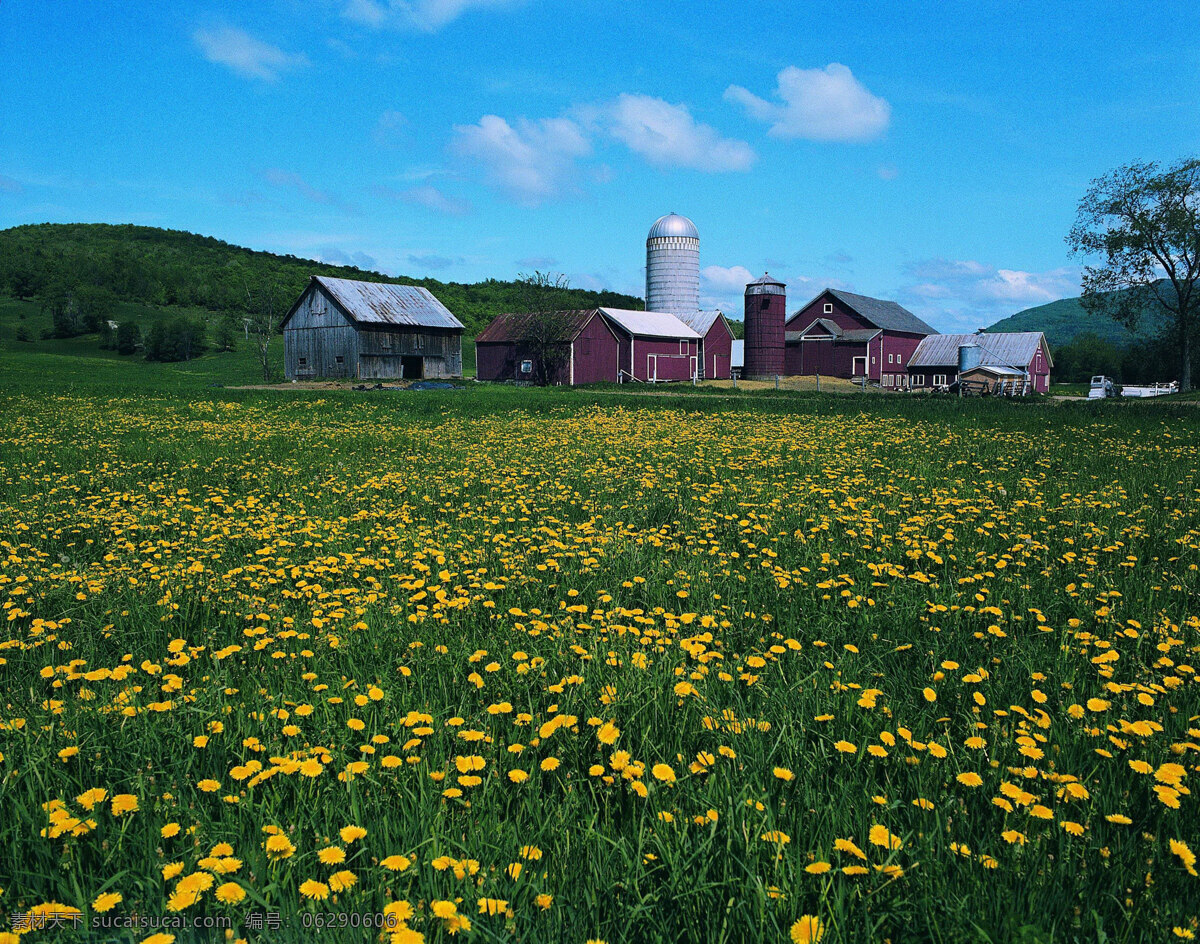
{"points": [[673, 358], [718, 351], [495, 361], [596, 352], [842, 315]]}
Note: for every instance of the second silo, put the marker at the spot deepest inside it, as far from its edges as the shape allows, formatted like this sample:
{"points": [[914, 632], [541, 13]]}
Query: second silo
{"points": [[766, 311], [673, 265]]}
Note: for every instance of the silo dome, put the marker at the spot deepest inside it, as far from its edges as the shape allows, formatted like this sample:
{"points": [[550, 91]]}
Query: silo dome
{"points": [[673, 225], [673, 265]]}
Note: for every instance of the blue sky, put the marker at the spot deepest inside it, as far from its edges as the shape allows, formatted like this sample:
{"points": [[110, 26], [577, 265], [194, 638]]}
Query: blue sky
{"points": [[929, 152]]}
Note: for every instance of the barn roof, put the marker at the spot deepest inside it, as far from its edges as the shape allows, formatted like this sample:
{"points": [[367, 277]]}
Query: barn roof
{"points": [[836, 331], [382, 303], [700, 321], [649, 324], [1005, 349], [508, 327], [996, 370], [880, 312]]}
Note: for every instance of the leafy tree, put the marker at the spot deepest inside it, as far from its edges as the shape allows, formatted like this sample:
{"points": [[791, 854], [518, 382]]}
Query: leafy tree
{"points": [[59, 300], [265, 305], [96, 305], [543, 331], [23, 333], [129, 336], [1141, 222], [1085, 355], [226, 336]]}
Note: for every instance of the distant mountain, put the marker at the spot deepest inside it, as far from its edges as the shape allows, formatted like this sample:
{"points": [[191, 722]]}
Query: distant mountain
{"points": [[175, 269], [1062, 321]]}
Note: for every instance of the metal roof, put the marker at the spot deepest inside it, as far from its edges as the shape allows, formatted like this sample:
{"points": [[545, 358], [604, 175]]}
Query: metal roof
{"points": [[649, 324], [880, 312], [673, 225], [384, 303], [1005, 349], [765, 285], [508, 327], [700, 321], [997, 370]]}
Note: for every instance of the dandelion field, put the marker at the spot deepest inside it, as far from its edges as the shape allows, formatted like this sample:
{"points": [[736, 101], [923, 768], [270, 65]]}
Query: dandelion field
{"points": [[545, 667]]}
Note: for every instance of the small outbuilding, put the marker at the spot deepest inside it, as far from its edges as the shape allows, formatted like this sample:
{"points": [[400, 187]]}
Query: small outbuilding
{"points": [[716, 343], [370, 331], [941, 359], [654, 345], [587, 354]]}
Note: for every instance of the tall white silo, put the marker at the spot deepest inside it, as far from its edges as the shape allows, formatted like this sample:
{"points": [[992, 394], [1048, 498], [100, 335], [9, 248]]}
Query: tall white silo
{"points": [[673, 265]]}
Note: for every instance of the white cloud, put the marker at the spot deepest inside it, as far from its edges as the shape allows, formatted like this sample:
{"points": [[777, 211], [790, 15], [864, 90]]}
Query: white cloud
{"points": [[389, 129], [827, 104], [726, 279], [279, 177], [668, 135], [431, 198], [246, 56], [970, 294], [532, 162], [427, 15]]}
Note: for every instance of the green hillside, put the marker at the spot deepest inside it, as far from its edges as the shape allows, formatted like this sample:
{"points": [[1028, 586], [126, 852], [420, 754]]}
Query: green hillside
{"points": [[1062, 321], [175, 270]]}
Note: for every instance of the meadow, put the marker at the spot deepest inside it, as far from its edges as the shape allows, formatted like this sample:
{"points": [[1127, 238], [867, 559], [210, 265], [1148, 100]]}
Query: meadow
{"points": [[561, 666]]}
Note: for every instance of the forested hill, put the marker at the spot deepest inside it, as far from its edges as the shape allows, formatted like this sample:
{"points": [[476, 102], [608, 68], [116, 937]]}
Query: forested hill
{"points": [[1066, 319], [172, 268]]}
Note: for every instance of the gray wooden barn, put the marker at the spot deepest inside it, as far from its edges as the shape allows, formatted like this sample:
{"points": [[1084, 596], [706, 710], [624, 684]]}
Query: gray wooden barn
{"points": [[370, 331]]}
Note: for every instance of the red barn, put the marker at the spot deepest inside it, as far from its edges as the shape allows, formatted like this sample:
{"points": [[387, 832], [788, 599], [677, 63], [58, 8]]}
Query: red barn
{"points": [[655, 346], [716, 343], [940, 358], [840, 334], [588, 355]]}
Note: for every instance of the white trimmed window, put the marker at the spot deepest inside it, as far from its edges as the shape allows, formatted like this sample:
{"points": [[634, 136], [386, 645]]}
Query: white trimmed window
{"points": [[899, 358], [939, 380], [828, 308], [918, 380], [889, 358]]}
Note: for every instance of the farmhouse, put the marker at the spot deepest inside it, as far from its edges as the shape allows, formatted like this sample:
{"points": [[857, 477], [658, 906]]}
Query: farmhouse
{"points": [[370, 331], [587, 352], [941, 359], [840, 334], [716, 343]]}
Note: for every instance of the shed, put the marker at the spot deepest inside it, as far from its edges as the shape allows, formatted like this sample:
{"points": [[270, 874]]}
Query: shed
{"points": [[370, 331], [654, 345], [935, 362], [716, 343], [588, 353], [842, 334]]}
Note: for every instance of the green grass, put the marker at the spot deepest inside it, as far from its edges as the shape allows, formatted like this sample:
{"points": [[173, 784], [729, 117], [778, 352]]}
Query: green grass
{"points": [[777, 575]]}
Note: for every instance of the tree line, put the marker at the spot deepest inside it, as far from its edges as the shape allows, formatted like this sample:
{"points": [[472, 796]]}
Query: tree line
{"points": [[102, 264]]}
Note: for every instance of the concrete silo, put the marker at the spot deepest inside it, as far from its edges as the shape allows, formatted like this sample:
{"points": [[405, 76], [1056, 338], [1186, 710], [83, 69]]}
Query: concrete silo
{"points": [[766, 311], [673, 265]]}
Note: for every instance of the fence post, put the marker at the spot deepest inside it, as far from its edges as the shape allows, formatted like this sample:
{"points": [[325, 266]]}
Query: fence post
{"points": [[776, 381], [818, 383]]}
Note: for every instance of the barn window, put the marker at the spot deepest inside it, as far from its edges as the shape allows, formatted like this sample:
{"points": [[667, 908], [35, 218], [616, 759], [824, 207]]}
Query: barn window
{"points": [[340, 359], [939, 380], [683, 347], [889, 358], [420, 342], [829, 308], [303, 361], [585, 346], [385, 340], [764, 304], [918, 380], [899, 358]]}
